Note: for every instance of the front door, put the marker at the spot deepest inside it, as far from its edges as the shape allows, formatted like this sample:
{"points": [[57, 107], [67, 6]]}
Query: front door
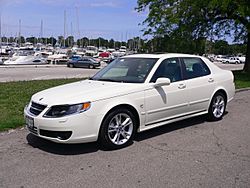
{"points": [[166, 102]]}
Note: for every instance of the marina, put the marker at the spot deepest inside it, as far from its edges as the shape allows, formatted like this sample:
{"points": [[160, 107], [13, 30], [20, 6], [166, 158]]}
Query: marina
{"points": [[27, 53], [20, 50]]}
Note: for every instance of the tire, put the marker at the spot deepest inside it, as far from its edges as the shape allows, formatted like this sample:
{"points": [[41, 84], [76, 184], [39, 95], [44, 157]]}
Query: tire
{"points": [[113, 134], [217, 107], [237, 62], [71, 65], [91, 66]]}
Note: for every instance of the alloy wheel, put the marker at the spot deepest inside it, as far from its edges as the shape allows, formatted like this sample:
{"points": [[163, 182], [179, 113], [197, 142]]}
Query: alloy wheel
{"points": [[218, 106], [120, 128]]}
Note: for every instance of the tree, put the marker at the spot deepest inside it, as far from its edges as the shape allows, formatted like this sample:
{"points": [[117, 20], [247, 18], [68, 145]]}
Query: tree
{"points": [[111, 43], [83, 42], [32, 40], [52, 41], [221, 47], [204, 18], [20, 40], [61, 41], [69, 41], [4, 39]]}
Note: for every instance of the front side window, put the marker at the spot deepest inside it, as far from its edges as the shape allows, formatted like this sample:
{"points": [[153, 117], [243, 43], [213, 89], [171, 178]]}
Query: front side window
{"points": [[128, 70], [194, 67], [169, 68]]}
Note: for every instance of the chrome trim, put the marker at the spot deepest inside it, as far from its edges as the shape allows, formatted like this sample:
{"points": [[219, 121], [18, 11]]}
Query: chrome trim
{"points": [[40, 110]]}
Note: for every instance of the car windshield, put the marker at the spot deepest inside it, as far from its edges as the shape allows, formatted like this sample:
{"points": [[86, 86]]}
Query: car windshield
{"points": [[128, 70]]}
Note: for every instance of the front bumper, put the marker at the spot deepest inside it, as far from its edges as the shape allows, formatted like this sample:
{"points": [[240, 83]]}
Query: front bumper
{"points": [[97, 64], [77, 128]]}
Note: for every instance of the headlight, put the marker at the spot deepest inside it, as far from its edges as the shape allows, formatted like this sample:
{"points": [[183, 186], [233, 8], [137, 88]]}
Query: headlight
{"points": [[64, 110]]}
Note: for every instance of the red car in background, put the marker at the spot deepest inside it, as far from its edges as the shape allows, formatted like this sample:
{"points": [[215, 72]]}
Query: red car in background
{"points": [[104, 54]]}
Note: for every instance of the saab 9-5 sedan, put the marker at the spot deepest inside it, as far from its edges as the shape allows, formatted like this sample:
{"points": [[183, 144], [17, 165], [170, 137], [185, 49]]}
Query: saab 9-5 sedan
{"points": [[132, 94]]}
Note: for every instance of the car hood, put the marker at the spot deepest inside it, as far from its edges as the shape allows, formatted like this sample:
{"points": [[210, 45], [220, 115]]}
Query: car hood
{"points": [[84, 91]]}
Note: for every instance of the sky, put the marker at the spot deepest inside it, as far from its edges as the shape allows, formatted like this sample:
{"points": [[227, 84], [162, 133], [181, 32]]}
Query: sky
{"points": [[115, 19]]}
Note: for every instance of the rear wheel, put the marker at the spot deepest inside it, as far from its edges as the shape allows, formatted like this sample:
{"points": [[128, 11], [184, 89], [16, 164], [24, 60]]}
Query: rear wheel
{"points": [[217, 107], [91, 66], [71, 65], [118, 129]]}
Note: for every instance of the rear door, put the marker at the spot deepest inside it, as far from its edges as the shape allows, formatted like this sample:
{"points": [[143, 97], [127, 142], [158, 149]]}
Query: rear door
{"points": [[86, 62], [79, 63], [199, 83]]}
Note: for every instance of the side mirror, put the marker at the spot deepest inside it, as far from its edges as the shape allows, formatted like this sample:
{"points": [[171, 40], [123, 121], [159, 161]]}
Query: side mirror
{"points": [[162, 82]]}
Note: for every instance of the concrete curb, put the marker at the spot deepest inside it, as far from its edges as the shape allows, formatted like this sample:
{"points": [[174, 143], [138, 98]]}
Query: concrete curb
{"points": [[32, 66], [241, 90]]}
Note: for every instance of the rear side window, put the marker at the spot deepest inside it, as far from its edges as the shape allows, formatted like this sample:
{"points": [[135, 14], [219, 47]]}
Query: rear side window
{"points": [[194, 67]]}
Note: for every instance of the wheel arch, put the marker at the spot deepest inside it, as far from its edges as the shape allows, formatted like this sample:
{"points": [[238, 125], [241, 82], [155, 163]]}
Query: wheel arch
{"points": [[126, 106], [219, 90], [223, 91]]}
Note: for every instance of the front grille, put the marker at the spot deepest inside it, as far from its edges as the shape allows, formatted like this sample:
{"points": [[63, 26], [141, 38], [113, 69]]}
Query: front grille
{"points": [[36, 108]]}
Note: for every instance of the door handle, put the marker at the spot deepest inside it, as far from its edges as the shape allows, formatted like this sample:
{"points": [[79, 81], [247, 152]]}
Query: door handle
{"points": [[182, 86], [210, 80]]}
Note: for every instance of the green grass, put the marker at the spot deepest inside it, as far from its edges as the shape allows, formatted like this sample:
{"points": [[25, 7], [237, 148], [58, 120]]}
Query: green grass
{"points": [[15, 95], [242, 80]]}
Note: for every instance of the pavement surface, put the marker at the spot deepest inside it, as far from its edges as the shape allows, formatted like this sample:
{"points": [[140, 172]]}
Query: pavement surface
{"points": [[43, 72], [191, 153], [229, 66], [46, 72]]}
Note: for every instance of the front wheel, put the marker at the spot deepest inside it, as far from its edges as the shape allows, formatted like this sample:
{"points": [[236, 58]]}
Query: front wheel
{"points": [[217, 107], [118, 129], [91, 66]]}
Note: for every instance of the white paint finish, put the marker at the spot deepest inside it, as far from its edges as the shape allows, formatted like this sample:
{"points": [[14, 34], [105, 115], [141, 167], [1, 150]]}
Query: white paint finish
{"points": [[155, 106], [166, 101], [199, 91]]}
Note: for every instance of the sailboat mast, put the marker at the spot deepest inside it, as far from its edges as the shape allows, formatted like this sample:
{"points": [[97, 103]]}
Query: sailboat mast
{"points": [[78, 28], [0, 32], [41, 31], [64, 35], [19, 33]]}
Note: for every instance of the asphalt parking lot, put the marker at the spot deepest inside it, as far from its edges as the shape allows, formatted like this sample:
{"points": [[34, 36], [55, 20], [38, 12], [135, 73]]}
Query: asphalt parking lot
{"points": [[43, 72], [46, 72], [190, 153]]}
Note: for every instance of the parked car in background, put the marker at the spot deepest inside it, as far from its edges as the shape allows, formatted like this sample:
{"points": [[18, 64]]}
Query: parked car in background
{"points": [[132, 94], [242, 59], [75, 57], [233, 60], [87, 62], [104, 54], [221, 58]]}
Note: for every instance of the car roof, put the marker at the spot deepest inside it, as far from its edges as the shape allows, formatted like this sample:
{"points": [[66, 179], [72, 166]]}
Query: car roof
{"points": [[158, 56]]}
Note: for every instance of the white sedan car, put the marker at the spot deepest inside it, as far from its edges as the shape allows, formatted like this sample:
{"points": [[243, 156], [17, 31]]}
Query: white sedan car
{"points": [[233, 60], [132, 94]]}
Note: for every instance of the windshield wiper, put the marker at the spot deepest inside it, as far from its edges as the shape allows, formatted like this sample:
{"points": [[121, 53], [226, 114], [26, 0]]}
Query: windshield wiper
{"points": [[107, 79]]}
